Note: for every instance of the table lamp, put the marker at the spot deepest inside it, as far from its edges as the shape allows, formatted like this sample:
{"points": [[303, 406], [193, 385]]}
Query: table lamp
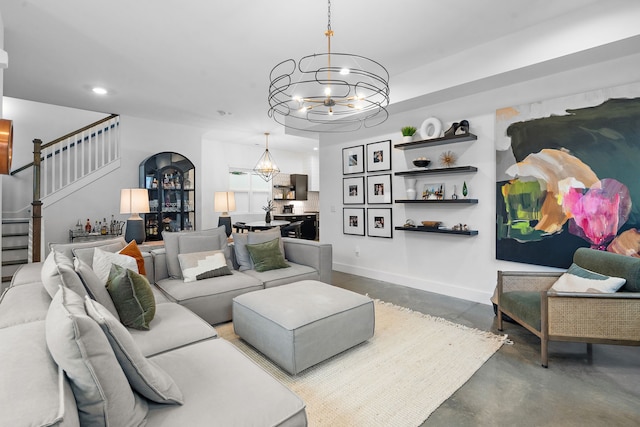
{"points": [[225, 202], [134, 201]]}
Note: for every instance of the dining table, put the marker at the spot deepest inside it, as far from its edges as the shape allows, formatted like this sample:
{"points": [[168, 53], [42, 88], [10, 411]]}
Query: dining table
{"points": [[262, 225]]}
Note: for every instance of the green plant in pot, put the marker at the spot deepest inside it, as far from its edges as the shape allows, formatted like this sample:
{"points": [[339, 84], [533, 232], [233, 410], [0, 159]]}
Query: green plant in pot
{"points": [[407, 133]]}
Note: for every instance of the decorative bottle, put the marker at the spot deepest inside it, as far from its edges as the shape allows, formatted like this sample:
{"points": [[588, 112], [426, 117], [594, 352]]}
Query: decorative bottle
{"points": [[87, 226]]}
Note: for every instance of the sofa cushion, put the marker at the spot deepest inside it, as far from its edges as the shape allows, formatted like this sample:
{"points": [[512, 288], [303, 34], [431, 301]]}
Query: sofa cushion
{"points": [[526, 304], [172, 249], [144, 376], [241, 240], [86, 254], [81, 349], [132, 296], [57, 270], [282, 276], [267, 256], [103, 260], [133, 251], [23, 304], [172, 327], [94, 286], [227, 389], [67, 248], [203, 265], [33, 391], [611, 264], [578, 279]]}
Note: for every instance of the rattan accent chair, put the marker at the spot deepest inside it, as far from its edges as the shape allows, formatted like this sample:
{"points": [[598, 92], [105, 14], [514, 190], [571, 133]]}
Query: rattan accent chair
{"points": [[581, 317]]}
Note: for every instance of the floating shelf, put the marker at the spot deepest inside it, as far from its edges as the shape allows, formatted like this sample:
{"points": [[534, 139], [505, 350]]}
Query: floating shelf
{"points": [[436, 141], [463, 201], [439, 230], [456, 169]]}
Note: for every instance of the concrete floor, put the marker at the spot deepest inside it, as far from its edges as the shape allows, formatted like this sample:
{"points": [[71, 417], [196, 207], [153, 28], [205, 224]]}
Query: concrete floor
{"points": [[511, 388]]}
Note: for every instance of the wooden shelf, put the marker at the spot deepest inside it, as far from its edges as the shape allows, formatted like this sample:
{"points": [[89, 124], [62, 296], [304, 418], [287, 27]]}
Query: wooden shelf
{"points": [[423, 171], [439, 230], [444, 201], [436, 141]]}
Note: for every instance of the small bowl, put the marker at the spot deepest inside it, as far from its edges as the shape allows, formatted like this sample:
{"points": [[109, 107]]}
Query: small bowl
{"points": [[431, 224], [421, 163]]}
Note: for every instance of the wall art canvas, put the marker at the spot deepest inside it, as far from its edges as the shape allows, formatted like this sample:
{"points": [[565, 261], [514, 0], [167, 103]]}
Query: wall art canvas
{"points": [[379, 189], [379, 156], [353, 160], [379, 222], [353, 190], [567, 177], [353, 221]]}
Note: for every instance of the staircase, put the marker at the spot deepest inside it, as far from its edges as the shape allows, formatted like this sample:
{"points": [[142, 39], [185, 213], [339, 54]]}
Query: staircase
{"points": [[15, 246]]}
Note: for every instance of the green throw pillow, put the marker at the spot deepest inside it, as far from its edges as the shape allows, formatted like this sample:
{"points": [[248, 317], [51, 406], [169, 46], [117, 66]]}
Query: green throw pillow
{"points": [[267, 256], [132, 296]]}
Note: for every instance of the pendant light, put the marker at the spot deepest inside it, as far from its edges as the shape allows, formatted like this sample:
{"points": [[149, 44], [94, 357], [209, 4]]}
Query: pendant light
{"points": [[266, 167]]}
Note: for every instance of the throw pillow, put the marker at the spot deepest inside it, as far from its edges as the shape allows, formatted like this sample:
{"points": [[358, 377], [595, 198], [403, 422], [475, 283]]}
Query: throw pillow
{"points": [[144, 375], [86, 253], [103, 394], [171, 246], [57, 270], [133, 251], [267, 256], [190, 243], [578, 279], [67, 248], [102, 261], [95, 288], [132, 296], [241, 240], [203, 265]]}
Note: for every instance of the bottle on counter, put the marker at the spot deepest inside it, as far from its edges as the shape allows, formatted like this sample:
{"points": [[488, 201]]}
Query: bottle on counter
{"points": [[87, 226]]}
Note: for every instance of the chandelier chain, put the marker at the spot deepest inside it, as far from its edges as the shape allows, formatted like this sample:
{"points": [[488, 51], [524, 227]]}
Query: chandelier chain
{"points": [[329, 15]]}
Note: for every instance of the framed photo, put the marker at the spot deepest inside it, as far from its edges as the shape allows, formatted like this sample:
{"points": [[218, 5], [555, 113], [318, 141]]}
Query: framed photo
{"points": [[379, 222], [353, 160], [353, 190], [379, 156], [379, 188], [353, 221], [433, 191]]}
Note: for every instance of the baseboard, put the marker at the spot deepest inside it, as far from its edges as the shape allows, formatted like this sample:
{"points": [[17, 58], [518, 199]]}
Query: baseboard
{"points": [[447, 289]]}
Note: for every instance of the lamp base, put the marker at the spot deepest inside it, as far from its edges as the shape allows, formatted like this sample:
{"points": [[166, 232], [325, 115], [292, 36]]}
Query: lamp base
{"points": [[226, 221], [135, 231]]}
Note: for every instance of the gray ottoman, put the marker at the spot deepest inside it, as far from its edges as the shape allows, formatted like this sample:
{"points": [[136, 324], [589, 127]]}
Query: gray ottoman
{"points": [[303, 323]]}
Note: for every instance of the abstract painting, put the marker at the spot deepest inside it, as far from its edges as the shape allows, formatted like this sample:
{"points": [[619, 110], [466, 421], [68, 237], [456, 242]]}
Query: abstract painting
{"points": [[567, 177]]}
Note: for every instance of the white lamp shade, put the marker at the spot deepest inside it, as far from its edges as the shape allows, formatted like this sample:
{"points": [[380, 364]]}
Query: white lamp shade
{"points": [[224, 201], [134, 200]]}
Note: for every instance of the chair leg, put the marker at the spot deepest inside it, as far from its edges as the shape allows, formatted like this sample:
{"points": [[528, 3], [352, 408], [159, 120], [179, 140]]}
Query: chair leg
{"points": [[544, 352]]}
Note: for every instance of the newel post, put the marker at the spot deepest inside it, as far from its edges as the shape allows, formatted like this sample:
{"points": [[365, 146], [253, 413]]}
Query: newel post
{"points": [[36, 216]]}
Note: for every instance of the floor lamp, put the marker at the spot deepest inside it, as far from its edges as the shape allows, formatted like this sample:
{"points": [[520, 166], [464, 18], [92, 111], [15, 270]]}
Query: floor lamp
{"points": [[225, 202], [134, 201]]}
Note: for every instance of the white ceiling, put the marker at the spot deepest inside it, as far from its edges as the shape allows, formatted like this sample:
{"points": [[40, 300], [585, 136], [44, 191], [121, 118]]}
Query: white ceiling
{"points": [[187, 61]]}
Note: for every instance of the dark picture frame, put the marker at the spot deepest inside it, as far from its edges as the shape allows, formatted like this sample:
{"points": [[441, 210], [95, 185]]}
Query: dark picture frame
{"points": [[379, 189], [353, 221], [379, 222], [379, 156], [353, 190], [353, 160]]}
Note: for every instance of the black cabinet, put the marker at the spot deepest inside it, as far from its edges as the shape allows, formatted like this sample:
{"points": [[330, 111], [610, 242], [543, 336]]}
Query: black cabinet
{"points": [[300, 186], [170, 179]]}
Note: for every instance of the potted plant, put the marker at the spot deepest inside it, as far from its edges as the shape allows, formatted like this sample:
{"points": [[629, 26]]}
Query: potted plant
{"points": [[268, 209], [407, 133]]}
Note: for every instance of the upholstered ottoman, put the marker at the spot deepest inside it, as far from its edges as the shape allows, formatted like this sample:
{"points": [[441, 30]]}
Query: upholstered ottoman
{"points": [[303, 323]]}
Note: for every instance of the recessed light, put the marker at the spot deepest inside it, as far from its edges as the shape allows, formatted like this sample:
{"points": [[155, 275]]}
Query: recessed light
{"points": [[99, 90]]}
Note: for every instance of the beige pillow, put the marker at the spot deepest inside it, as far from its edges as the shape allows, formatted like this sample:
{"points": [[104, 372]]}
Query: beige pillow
{"points": [[102, 261], [203, 265], [172, 249]]}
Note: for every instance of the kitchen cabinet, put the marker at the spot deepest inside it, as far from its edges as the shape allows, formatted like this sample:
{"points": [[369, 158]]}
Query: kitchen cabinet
{"points": [[296, 190]]}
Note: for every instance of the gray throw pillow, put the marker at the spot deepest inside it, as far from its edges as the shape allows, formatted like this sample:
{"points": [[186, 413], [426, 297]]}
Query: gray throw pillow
{"points": [[94, 286], [144, 375], [172, 249], [57, 270], [103, 394]]}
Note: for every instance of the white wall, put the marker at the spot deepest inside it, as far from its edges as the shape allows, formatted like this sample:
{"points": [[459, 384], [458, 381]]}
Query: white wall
{"points": [[463, 267]]}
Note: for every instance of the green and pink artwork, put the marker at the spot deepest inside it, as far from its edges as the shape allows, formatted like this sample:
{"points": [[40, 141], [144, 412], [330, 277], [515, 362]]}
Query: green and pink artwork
{"points": [[567, 177]]}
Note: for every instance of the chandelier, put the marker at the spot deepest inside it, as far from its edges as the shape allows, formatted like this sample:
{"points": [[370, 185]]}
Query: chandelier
{"points": [[266, 167], [329, 92]]}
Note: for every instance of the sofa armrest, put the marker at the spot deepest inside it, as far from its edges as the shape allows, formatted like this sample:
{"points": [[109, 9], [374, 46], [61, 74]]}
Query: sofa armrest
{"points": [[160, 270], [509, 281], [148, 266], [311, 253]]}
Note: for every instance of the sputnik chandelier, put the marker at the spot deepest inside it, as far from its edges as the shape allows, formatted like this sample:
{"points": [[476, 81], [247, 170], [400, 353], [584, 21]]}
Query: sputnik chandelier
{"points": [[329, 92], [266, 167]]}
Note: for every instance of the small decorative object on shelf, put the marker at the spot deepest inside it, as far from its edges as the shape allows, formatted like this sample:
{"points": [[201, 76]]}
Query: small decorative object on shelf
{"points": [[431, 224], [409, 223], [465, 191], [433, 191], [411, 188], [456, 128], [448, 159], [431, 128], [454, 196], [407, 133], [460, 227], [421, 162]]}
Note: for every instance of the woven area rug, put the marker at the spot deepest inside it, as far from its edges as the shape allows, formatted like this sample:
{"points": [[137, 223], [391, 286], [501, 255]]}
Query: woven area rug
{"points": [[413, 363]]}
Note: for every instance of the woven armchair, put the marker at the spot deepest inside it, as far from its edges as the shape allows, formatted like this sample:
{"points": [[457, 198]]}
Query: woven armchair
{"points": [[581, 317]]}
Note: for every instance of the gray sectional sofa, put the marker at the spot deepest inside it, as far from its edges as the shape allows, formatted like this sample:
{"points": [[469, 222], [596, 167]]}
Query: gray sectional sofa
{"points": [[213, 383]]}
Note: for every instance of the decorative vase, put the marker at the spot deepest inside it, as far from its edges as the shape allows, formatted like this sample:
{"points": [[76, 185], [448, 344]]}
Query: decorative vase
{"points": [[411, 188], [465, 191], [267, 217]]}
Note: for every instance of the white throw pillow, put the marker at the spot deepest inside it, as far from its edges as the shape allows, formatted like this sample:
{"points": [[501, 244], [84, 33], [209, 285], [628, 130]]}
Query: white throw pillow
{"points": [[203, 265], [578, 279], [102, 261]]}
